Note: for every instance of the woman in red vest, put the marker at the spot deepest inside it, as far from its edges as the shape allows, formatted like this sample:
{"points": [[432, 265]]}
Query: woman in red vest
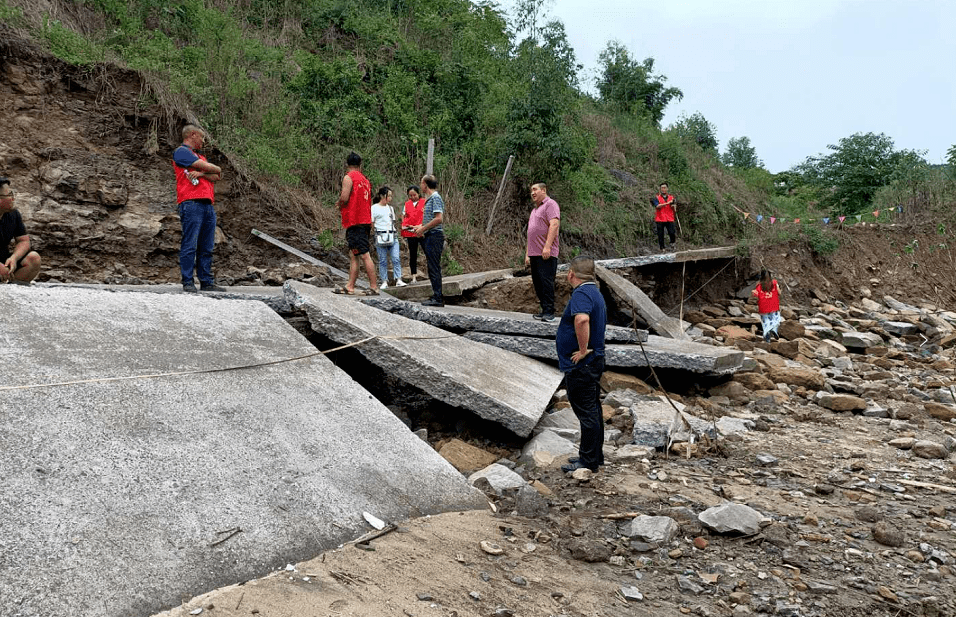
{"points": [[768, 304], [412, 214]]}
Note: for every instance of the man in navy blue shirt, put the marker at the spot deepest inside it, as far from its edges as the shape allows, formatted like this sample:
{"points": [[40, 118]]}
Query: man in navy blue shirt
{"points": [[195, 196], [580, 346], [22, 264]]}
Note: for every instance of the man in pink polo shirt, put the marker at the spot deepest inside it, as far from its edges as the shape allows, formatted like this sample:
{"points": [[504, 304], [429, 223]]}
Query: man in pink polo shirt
{"points": [[542, 253]]}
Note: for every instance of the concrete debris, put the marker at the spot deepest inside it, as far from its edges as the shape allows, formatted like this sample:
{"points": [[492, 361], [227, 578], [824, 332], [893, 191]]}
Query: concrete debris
{"points": [[547, 449], [494, 384], [652, 529], [732, 518], [499, 477]]}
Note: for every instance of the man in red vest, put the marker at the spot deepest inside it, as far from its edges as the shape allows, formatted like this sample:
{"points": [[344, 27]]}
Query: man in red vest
{"points": [[195, 196], [664, 215], [355, 204]]}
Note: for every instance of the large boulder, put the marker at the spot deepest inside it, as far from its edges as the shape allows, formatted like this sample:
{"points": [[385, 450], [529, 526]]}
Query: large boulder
{"points": [[731, 518], [791, 330], [465, 457], [652, 529], [547, 449], [899, 328], [861, 340], [612, 380], [499, 477], [804, 377], [754, 381], [841, 402]]}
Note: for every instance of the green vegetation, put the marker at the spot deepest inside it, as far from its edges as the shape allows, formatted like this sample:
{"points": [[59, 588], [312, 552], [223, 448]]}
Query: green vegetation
{"points": [[288, 87]]}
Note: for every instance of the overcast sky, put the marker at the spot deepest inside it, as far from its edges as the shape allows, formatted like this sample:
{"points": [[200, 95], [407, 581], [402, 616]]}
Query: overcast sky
{"points": [[792, 75]]}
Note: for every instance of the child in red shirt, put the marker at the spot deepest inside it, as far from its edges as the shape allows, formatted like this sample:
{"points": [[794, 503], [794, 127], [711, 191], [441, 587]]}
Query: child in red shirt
{"points": [[768, 304]]}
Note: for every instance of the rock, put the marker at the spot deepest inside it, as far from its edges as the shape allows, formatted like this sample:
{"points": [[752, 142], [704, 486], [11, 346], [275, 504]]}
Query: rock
{"points": [[886, 593], [830, 349], [732, 332], [550, 443], [794, 349], [754, 381], [874, 410], [868, 514], [631, 594], [630, 452], [465, 457], [766, 460], [590, 551], [899, 328], [491, 548], [653, 417], [611, 381], [842, 363], [499, 477], [940, 411], [841, 402], [871, 306], [791, 330], [887, 535], [652, 529], [861, 340], [530, 503], [675, 553], [903, 443], [728, 425], [930, 449], [731, 518], [583, 474], [801, 377], [563, 422], [915, 556], [733, 390], [686, 584], [700, 543]]}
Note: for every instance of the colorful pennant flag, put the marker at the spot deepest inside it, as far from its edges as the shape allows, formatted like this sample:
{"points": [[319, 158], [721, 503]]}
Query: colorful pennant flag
{"points": [[859, 217], [746, 215], [759, 218], [782, 220], [826, 220], [796, 220], [876, 214], [899, 208], [773, 220], [842, 218]]}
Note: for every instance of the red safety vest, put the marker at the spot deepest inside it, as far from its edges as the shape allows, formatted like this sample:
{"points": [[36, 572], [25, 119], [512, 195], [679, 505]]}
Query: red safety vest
{"points": [[665, 214], [414, 213], [185, 190], [768, 301], [359, 209]]}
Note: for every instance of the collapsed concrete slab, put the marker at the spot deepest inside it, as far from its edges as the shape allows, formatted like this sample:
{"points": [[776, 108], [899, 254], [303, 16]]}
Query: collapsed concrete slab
{"points": [[645, 307], [496, 385], [718, 252], [273, 296], [122, 497], [451, 286], [656, 422], [661, 353], [466, 318]]}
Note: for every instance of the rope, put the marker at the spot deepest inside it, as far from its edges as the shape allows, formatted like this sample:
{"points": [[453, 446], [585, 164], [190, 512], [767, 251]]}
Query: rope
{"points": [[221, 370]]}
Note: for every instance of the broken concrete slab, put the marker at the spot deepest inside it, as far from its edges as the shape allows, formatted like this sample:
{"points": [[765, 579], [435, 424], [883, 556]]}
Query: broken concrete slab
{"points": [[272, 296], [466, 318], [562, 422], [732, 518], [645, 307], [661, 353], [116, 494], [656, 423], [499, 477], [547, 448], [651, 529], [451, 286], [496, 385], [720, 252]]}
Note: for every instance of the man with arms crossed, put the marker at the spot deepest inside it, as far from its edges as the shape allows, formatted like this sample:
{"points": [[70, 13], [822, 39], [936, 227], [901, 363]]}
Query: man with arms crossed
{"points": [[195, 196], [355, 204], [664, 214], [431, 230], [542, 252], [580, 346], [21, 265]]}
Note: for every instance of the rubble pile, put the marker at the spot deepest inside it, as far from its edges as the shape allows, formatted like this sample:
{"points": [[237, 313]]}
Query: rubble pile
{"points": [[816, 481]]}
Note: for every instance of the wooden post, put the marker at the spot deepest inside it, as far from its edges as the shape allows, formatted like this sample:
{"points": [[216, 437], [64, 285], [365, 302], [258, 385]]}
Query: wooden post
{"points": [[501, 190], [430, 164]]}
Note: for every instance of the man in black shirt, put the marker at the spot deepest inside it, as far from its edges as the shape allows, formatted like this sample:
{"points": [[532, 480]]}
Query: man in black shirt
{"points": [[19, 264]]}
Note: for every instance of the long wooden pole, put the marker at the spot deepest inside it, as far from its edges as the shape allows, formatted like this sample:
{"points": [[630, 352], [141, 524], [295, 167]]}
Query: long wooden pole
{"points": [[501, 190], [430, 163]]}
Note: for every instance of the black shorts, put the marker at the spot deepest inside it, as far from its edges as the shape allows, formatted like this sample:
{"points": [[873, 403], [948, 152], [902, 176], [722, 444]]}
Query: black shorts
{"points": [[357, 237]]}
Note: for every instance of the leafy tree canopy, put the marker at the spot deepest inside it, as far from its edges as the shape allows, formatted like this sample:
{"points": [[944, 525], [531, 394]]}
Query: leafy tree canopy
{"points": [[740, 154], [632, 85], [698, 129]]}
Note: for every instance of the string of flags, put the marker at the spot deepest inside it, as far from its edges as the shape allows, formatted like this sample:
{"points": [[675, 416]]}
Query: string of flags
{"points": [[759, 218]]}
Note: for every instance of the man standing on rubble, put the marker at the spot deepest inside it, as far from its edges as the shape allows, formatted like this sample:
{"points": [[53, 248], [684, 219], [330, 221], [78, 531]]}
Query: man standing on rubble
{"points": [[542, 251], [21, 265], [195, 196], [580, 346], [434, 236]]}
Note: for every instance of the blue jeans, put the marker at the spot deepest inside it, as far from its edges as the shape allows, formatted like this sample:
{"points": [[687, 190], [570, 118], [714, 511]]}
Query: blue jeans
{"points": [[199, 237], [383, 254]]}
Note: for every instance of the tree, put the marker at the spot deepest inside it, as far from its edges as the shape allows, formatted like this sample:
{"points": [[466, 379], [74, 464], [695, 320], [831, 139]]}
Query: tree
{"points": [[951, 159], [854, 171], [698, 129], [740, 154], [632, 85]]}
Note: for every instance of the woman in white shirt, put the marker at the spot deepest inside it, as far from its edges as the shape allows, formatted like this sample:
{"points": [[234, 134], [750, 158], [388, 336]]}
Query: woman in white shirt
{"points": [[386, 241]]}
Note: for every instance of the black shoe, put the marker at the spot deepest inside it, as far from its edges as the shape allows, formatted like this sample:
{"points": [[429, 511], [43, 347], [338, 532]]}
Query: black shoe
{"points": [[190, 288], [575, 466], [544, 317], [774, 334], [212, 287], [574, 459], [433, 302], [537, 315]]}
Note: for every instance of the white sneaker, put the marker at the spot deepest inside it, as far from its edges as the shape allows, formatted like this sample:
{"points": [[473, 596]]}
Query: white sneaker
{"points": [[414, 279], [400, 283], [384, 286]]}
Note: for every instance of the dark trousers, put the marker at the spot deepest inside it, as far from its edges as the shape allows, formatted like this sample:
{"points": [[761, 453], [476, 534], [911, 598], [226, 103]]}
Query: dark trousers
{"points": [[671, 231], [198, 220], [413, 244], [584, 394], [434, 244], [542, 277]]}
